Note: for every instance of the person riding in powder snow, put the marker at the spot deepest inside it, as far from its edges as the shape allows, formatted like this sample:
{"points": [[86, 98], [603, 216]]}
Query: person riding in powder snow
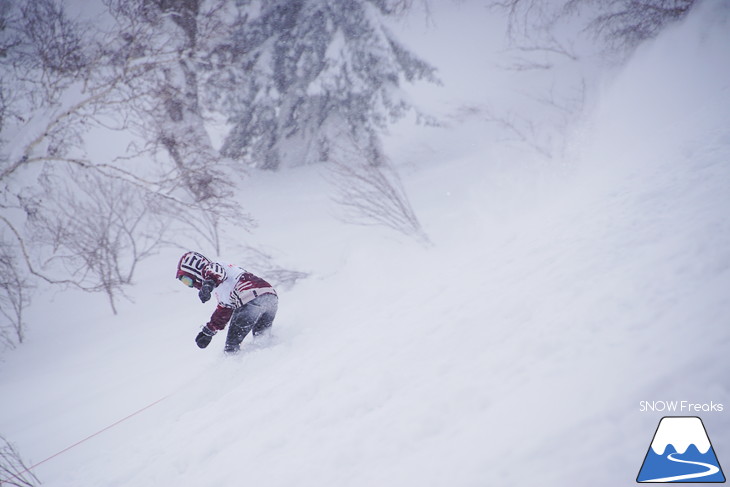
{"points": [[248, 301]]}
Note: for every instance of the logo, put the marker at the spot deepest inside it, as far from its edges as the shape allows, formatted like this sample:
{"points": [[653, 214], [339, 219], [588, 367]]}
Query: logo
{"points": [[681, 452]]}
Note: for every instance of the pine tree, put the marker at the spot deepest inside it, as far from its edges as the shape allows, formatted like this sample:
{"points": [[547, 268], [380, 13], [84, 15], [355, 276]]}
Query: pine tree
{"points": [[306, 73]]}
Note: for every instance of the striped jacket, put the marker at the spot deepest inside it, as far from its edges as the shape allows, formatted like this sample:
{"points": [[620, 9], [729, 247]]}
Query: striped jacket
{"points": [[234, 287]]}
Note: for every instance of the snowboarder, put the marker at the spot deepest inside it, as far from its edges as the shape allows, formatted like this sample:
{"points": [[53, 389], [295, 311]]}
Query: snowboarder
{"points": [[249, 302]]}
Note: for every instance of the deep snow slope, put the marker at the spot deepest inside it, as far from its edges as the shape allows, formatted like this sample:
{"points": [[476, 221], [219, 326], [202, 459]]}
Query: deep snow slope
{"points": [[515, 350]]}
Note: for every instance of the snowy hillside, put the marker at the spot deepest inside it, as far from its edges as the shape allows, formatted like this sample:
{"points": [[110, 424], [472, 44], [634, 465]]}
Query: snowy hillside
{"points": [[514, 350]]}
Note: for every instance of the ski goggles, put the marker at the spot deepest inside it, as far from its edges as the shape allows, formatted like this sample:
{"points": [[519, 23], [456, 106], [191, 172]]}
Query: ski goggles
{"points": [[187, 280]]}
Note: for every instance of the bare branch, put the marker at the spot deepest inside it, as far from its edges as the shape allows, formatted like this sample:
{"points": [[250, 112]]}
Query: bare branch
{"points": [[622, 24], [263, 262], [28, 261], [14, 298], [13, 471], [372, 194], [99, 228]]}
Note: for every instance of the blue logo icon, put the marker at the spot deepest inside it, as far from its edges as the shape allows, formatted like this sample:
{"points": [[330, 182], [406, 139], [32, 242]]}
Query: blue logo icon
{"points": [[681, 452]]}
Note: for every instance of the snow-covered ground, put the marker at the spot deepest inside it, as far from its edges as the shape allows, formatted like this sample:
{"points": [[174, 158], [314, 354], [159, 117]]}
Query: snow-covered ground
{"points": [[514, 350]]}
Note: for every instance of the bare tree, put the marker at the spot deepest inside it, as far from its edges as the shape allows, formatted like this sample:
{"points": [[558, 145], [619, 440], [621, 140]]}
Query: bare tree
{"points": [[13, 471], [14, 297], [97, 229], [371, 193], [566, 35], [100, 218]]}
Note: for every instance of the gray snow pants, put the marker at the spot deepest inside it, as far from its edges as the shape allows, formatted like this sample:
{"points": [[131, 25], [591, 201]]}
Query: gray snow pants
{"points": [[256, 315]]}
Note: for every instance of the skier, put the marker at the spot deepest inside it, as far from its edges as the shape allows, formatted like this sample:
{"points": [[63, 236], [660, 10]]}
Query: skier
{"points": [[249, 302]]}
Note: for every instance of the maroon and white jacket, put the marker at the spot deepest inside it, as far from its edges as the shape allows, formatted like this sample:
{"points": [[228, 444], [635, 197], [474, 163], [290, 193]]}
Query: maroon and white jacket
{"points": [[234, 287]]}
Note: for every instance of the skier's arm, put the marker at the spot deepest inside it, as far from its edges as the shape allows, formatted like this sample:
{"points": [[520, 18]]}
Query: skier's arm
{"points": [[213, 275], [219, 318], [205, 289], [218, 321]]}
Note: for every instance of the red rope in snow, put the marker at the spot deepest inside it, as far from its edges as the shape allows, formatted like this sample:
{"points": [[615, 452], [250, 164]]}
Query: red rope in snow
{"points": [[17, 476]]}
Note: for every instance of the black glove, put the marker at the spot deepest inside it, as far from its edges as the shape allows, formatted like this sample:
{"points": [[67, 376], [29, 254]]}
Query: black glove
{"points": [[204, 337], [205, 290]]}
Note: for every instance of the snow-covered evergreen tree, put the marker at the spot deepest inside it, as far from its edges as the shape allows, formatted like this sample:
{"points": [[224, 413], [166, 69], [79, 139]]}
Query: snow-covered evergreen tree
{"points": [[307, 72]]}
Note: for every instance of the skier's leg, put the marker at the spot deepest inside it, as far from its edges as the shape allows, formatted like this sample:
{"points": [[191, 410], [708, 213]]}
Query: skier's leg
{"points": [[242, 322], [256, 315], [270, 304]]}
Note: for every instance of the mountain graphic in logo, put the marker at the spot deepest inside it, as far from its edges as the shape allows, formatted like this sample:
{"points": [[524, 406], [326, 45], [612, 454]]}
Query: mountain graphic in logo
{"points": [[681, 452]]}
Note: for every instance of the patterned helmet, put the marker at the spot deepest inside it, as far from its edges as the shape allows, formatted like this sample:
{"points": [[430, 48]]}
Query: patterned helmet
{"points": [[190, 269]]}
